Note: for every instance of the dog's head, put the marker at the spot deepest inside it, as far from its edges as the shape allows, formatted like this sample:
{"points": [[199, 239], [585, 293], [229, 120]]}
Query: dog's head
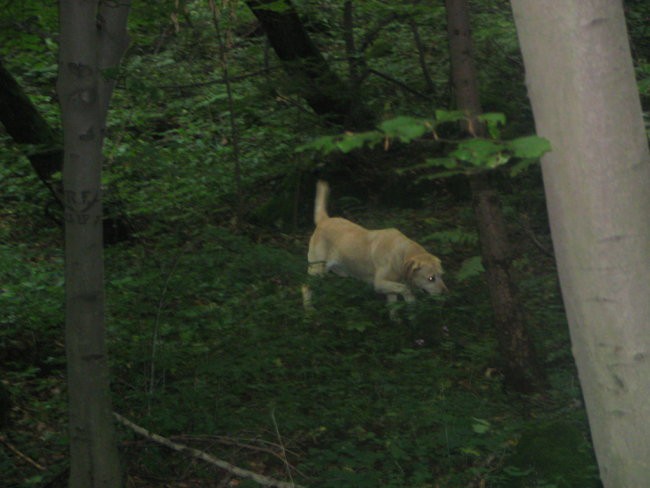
{"points": [[424, 271]]}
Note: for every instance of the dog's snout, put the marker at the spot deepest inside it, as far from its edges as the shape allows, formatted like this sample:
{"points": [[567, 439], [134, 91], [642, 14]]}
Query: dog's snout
{"points": [[443, 287]]}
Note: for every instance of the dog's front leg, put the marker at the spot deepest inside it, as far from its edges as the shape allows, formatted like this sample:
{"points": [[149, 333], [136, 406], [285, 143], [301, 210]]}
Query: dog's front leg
{"points": [[391, 299], [393, 288]]}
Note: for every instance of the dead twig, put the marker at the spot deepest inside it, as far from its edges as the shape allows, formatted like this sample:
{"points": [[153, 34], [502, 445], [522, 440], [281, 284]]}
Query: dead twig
{"points": [[525, 225], [204, 456], [22, 456], [272, 449]]}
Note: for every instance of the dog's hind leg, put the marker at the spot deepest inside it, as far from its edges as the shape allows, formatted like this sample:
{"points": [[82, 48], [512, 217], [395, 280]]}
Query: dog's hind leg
{"points": [[314, 269], [306, 298]]}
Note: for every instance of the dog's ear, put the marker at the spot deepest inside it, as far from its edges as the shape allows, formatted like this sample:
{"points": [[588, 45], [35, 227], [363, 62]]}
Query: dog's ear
{"points": [[411, 266]]}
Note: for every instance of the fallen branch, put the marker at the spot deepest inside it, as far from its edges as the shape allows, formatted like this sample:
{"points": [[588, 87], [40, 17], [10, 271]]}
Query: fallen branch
{"points": [[25, 457], [204, 456]]}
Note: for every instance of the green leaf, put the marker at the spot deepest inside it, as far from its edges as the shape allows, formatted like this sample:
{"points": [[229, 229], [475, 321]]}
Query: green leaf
{"points": [[349, 142], [449, 163], [479, 152], [471, 451], [522, 165], [344, 143], [493, 121], [496, 160], [279, 6], [471, 267], [324, 144], [529, 147], [405, 128], [450, 116], [480, 426], [493, 118]]}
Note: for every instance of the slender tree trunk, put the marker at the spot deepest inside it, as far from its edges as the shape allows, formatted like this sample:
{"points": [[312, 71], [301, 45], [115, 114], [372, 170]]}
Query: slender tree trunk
{"points": [[428, 82], [585, 101], [93, 39], [522, 371], [321, 87], [26, 125], [224, 42]]}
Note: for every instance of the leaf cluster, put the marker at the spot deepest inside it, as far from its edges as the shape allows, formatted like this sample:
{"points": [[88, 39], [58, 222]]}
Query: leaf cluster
{"points": [[468, 155]]}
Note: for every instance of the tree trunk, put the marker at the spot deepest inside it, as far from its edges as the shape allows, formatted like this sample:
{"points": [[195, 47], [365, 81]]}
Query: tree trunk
{"points": [[321, 87], [93, 39], [522, 371], [26, 125], [585, 101]]}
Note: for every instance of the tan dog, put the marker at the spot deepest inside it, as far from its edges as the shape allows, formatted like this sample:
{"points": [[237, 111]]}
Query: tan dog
{"points": [[386, 259]]}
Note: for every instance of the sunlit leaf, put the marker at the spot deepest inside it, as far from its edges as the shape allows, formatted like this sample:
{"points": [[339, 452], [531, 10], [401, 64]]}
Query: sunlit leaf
{"points": [[350, 142], [324, 144], [493, 121], [450, 116], [479, 152], [405, 128], [529, 147], [480, 426]]}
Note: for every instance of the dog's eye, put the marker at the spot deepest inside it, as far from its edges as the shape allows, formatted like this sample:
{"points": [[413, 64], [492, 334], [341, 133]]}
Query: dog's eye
{"points": [[431, 278]]}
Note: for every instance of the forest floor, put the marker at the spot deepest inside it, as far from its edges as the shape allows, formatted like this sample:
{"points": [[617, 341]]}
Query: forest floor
{"points": [[210, 348]]}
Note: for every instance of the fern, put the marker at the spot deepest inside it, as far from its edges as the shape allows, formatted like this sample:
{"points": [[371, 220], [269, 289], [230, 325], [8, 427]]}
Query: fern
{"points": [[455, 236], [471, 267]]}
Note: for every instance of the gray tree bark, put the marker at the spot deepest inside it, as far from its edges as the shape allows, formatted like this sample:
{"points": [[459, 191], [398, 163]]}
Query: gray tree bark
{"points": [[585, 101], [93, 39]]}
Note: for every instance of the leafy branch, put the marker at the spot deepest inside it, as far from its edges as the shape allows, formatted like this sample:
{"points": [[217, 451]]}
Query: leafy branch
{"points": [[469, 156]]}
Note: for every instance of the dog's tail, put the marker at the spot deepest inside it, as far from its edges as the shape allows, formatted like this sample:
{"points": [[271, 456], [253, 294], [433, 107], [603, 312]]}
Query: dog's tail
{"points": [[320, 205]]}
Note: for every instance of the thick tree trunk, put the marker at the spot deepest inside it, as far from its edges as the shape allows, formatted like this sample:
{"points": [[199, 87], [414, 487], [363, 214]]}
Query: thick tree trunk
{"points": [[93, 38], [25, 125], [585, 101], [315, 81], [522, 371]]}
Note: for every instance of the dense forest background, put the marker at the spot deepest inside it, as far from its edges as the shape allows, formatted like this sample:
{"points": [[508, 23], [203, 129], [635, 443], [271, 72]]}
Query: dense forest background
{"points": [[208, 207]]}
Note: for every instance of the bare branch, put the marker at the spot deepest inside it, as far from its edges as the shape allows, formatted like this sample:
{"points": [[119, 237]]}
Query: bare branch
{"points": [[421, 57], [373, 33], [399, 83]]}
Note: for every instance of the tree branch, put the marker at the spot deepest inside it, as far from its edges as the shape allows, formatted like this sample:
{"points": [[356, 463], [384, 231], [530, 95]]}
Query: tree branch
{"points": [[373, 33], [204, 456], [401, 84], [421, 57]]}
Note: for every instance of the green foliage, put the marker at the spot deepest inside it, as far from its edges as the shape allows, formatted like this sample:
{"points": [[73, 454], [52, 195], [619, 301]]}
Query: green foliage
{"points": [[207, 336], [470, 268], [468, 156], [278, 6], [554, 454]]}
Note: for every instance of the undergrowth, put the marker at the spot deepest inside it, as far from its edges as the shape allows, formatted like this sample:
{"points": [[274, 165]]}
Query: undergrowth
{"points": [[210, 346]]}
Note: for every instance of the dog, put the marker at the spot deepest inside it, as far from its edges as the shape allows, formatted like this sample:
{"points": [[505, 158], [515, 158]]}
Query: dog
{"points": [[388, 260]]}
